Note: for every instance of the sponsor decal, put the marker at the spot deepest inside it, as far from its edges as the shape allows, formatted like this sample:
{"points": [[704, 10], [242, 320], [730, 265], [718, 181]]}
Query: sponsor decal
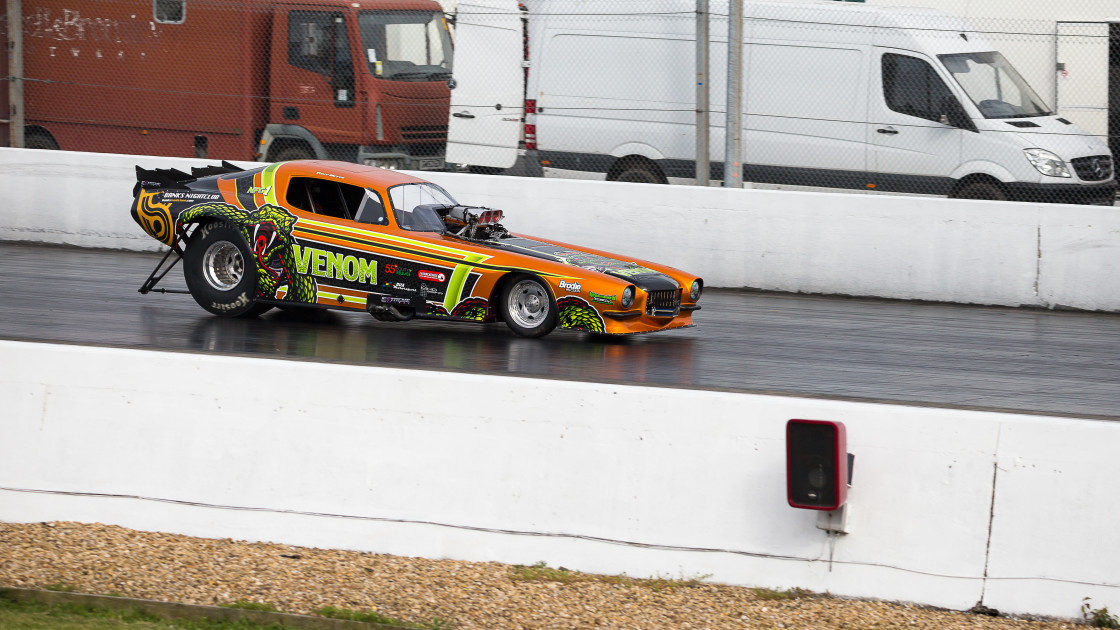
{"points": [[395, 269], [602, 299], [571, 287], [259, 190], [242, 300], [324, 264], [429, 290], [174, 196], [631, 271], [389, 299], [329, 175], [434, 276]]}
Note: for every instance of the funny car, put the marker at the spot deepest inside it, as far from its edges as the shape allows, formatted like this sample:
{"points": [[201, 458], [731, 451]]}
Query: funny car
{"points": [[314, 233]]}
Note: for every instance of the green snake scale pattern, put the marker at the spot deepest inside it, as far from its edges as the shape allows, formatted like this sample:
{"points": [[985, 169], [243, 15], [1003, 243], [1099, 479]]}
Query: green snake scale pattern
{"points": [[576, 314], [268, 231]]}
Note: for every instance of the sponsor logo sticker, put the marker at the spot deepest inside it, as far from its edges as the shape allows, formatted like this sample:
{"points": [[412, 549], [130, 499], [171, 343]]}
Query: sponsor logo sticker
{"points": [[571, 287], [397, 270], [434, 276], [259, 190], [598, 297]]}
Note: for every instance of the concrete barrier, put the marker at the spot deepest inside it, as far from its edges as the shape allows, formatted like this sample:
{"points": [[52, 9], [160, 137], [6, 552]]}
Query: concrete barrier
{"points": [[922, 248], [948, 507]]}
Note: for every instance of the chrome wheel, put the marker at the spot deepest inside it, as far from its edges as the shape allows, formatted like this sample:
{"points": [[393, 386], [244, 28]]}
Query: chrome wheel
{"points": [[223, 266], [528, 304]]}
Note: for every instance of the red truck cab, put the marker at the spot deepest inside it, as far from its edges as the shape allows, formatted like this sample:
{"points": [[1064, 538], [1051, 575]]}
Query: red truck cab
{"points": [[355, 80]]}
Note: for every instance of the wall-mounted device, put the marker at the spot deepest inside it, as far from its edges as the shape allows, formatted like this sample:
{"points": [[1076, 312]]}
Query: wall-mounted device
{"points": [[817, 464]]}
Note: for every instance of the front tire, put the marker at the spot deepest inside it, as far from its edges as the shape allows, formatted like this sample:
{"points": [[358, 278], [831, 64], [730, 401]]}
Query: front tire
{"points": [[981, 190], [527, 307], [220, 272]]}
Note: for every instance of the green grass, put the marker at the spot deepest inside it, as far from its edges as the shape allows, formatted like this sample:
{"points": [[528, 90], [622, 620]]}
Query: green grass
{"points": [[770, 594], [1098, 617], [541, 572], [16, 615]]}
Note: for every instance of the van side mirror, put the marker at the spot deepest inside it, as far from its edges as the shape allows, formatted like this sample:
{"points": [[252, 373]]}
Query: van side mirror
{"points": [[952, 113]]}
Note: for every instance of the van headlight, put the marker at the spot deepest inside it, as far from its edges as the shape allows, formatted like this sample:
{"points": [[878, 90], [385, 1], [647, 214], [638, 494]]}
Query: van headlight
{"points": [[1047, 163], [628, 297]]}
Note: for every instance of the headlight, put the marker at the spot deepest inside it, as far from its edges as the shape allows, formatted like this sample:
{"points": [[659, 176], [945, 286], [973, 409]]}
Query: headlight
{"points": [[1047, 163], [628, 297], [694, 292]]}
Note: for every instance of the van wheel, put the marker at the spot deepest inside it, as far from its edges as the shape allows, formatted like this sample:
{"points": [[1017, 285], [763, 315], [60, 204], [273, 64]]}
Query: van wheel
{"points": [[639, 174], [981, 190]]}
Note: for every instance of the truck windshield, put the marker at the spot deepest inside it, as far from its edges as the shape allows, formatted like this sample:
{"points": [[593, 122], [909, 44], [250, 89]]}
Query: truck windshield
{"points": [[406, 45], [413, 203], [994, 85]]}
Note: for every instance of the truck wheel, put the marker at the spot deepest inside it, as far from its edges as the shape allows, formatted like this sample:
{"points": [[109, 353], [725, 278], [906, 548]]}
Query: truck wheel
{"points": [[291, 152], [640, 174], [528, 308], [981, 190], [220, 272], [39, 140]]}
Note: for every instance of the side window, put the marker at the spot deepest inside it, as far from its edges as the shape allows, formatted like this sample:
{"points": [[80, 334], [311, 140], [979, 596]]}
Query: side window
{"points": [[170, 11], [309, 40], [328, 198], [371, 208], [911, 86]]}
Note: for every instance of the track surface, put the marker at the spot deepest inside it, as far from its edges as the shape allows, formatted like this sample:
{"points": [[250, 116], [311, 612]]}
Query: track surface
{"points": [[899, 352]]}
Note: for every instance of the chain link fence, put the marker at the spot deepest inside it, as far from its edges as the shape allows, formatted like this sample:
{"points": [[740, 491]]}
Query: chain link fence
{"points": [[985, 99]]}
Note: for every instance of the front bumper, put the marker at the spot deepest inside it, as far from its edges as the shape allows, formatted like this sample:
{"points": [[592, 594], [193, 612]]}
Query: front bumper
{"points": [[1095, 194]]}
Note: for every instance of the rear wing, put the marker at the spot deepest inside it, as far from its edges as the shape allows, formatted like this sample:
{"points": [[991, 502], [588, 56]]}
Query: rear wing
{"points": [[174, 178]]}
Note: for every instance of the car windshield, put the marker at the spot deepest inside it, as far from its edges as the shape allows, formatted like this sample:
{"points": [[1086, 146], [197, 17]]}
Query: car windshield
{"points": [[994, 85], [406, 45], [412, 205]]}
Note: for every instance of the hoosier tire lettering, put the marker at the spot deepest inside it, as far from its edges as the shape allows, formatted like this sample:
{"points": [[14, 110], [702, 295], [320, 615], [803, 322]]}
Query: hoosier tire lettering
{"points": [[219, 271]]}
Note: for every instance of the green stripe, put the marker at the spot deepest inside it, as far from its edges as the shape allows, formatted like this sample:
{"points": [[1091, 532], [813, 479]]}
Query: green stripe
{"points": [[268, 179]]}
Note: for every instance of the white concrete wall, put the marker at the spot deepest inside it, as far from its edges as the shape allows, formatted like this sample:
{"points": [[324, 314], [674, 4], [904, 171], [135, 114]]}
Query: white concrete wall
{"points": [[834, 243], [478, 471]]}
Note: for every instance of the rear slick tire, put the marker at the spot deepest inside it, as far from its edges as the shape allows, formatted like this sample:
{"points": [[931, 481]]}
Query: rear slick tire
{"points": [[220, 272], [527, 307]]}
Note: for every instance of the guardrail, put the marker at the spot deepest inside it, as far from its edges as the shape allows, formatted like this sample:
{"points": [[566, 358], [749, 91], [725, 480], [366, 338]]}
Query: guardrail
{"points": [[923, 248], [948, 507]]}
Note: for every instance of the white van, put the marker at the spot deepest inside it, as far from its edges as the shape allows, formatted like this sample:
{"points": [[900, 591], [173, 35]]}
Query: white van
{"points": [[835, 95]]}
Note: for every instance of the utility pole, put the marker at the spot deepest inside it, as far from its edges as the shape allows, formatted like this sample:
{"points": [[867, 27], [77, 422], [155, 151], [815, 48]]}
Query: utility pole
{"points": [[703, 168], [733, 127], [15, 73]]}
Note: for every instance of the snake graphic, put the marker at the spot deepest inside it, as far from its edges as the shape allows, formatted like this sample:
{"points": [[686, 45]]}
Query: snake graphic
{"points": [[268, 231]]}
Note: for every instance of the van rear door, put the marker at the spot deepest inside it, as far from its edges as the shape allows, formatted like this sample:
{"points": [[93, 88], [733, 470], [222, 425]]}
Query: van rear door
{"points": [[488, 97]]}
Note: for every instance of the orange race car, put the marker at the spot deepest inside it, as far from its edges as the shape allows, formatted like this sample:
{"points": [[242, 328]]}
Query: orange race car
{"points": [[340, 235]]}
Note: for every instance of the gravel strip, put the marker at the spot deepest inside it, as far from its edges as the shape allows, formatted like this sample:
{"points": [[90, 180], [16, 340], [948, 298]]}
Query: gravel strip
{"points": [[467, 595]]}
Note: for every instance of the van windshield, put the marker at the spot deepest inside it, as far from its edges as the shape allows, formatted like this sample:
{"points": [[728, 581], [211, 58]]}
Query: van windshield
{"points": [[406, 45], [998, 90]]}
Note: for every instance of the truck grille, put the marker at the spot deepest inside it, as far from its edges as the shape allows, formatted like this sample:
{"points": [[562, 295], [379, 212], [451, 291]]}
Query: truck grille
{"points": [[663, 303], [1093, 169], [424, 132]]}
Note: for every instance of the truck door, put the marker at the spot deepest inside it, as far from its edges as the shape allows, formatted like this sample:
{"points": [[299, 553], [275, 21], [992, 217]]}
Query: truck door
{"points": [[312, 78], [488, 100], [914, 151]]}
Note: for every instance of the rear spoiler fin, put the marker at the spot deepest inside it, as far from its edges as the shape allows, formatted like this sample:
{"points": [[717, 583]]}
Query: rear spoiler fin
{"points": [[174, 178]]}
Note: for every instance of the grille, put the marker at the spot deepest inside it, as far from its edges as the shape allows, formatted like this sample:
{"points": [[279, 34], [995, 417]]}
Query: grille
{"points": [[1093, 169], [424, 132], [663, 303]]}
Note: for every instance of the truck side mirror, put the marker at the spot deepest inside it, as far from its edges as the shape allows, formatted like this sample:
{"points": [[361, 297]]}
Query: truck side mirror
{"points": [[817, 464]]}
